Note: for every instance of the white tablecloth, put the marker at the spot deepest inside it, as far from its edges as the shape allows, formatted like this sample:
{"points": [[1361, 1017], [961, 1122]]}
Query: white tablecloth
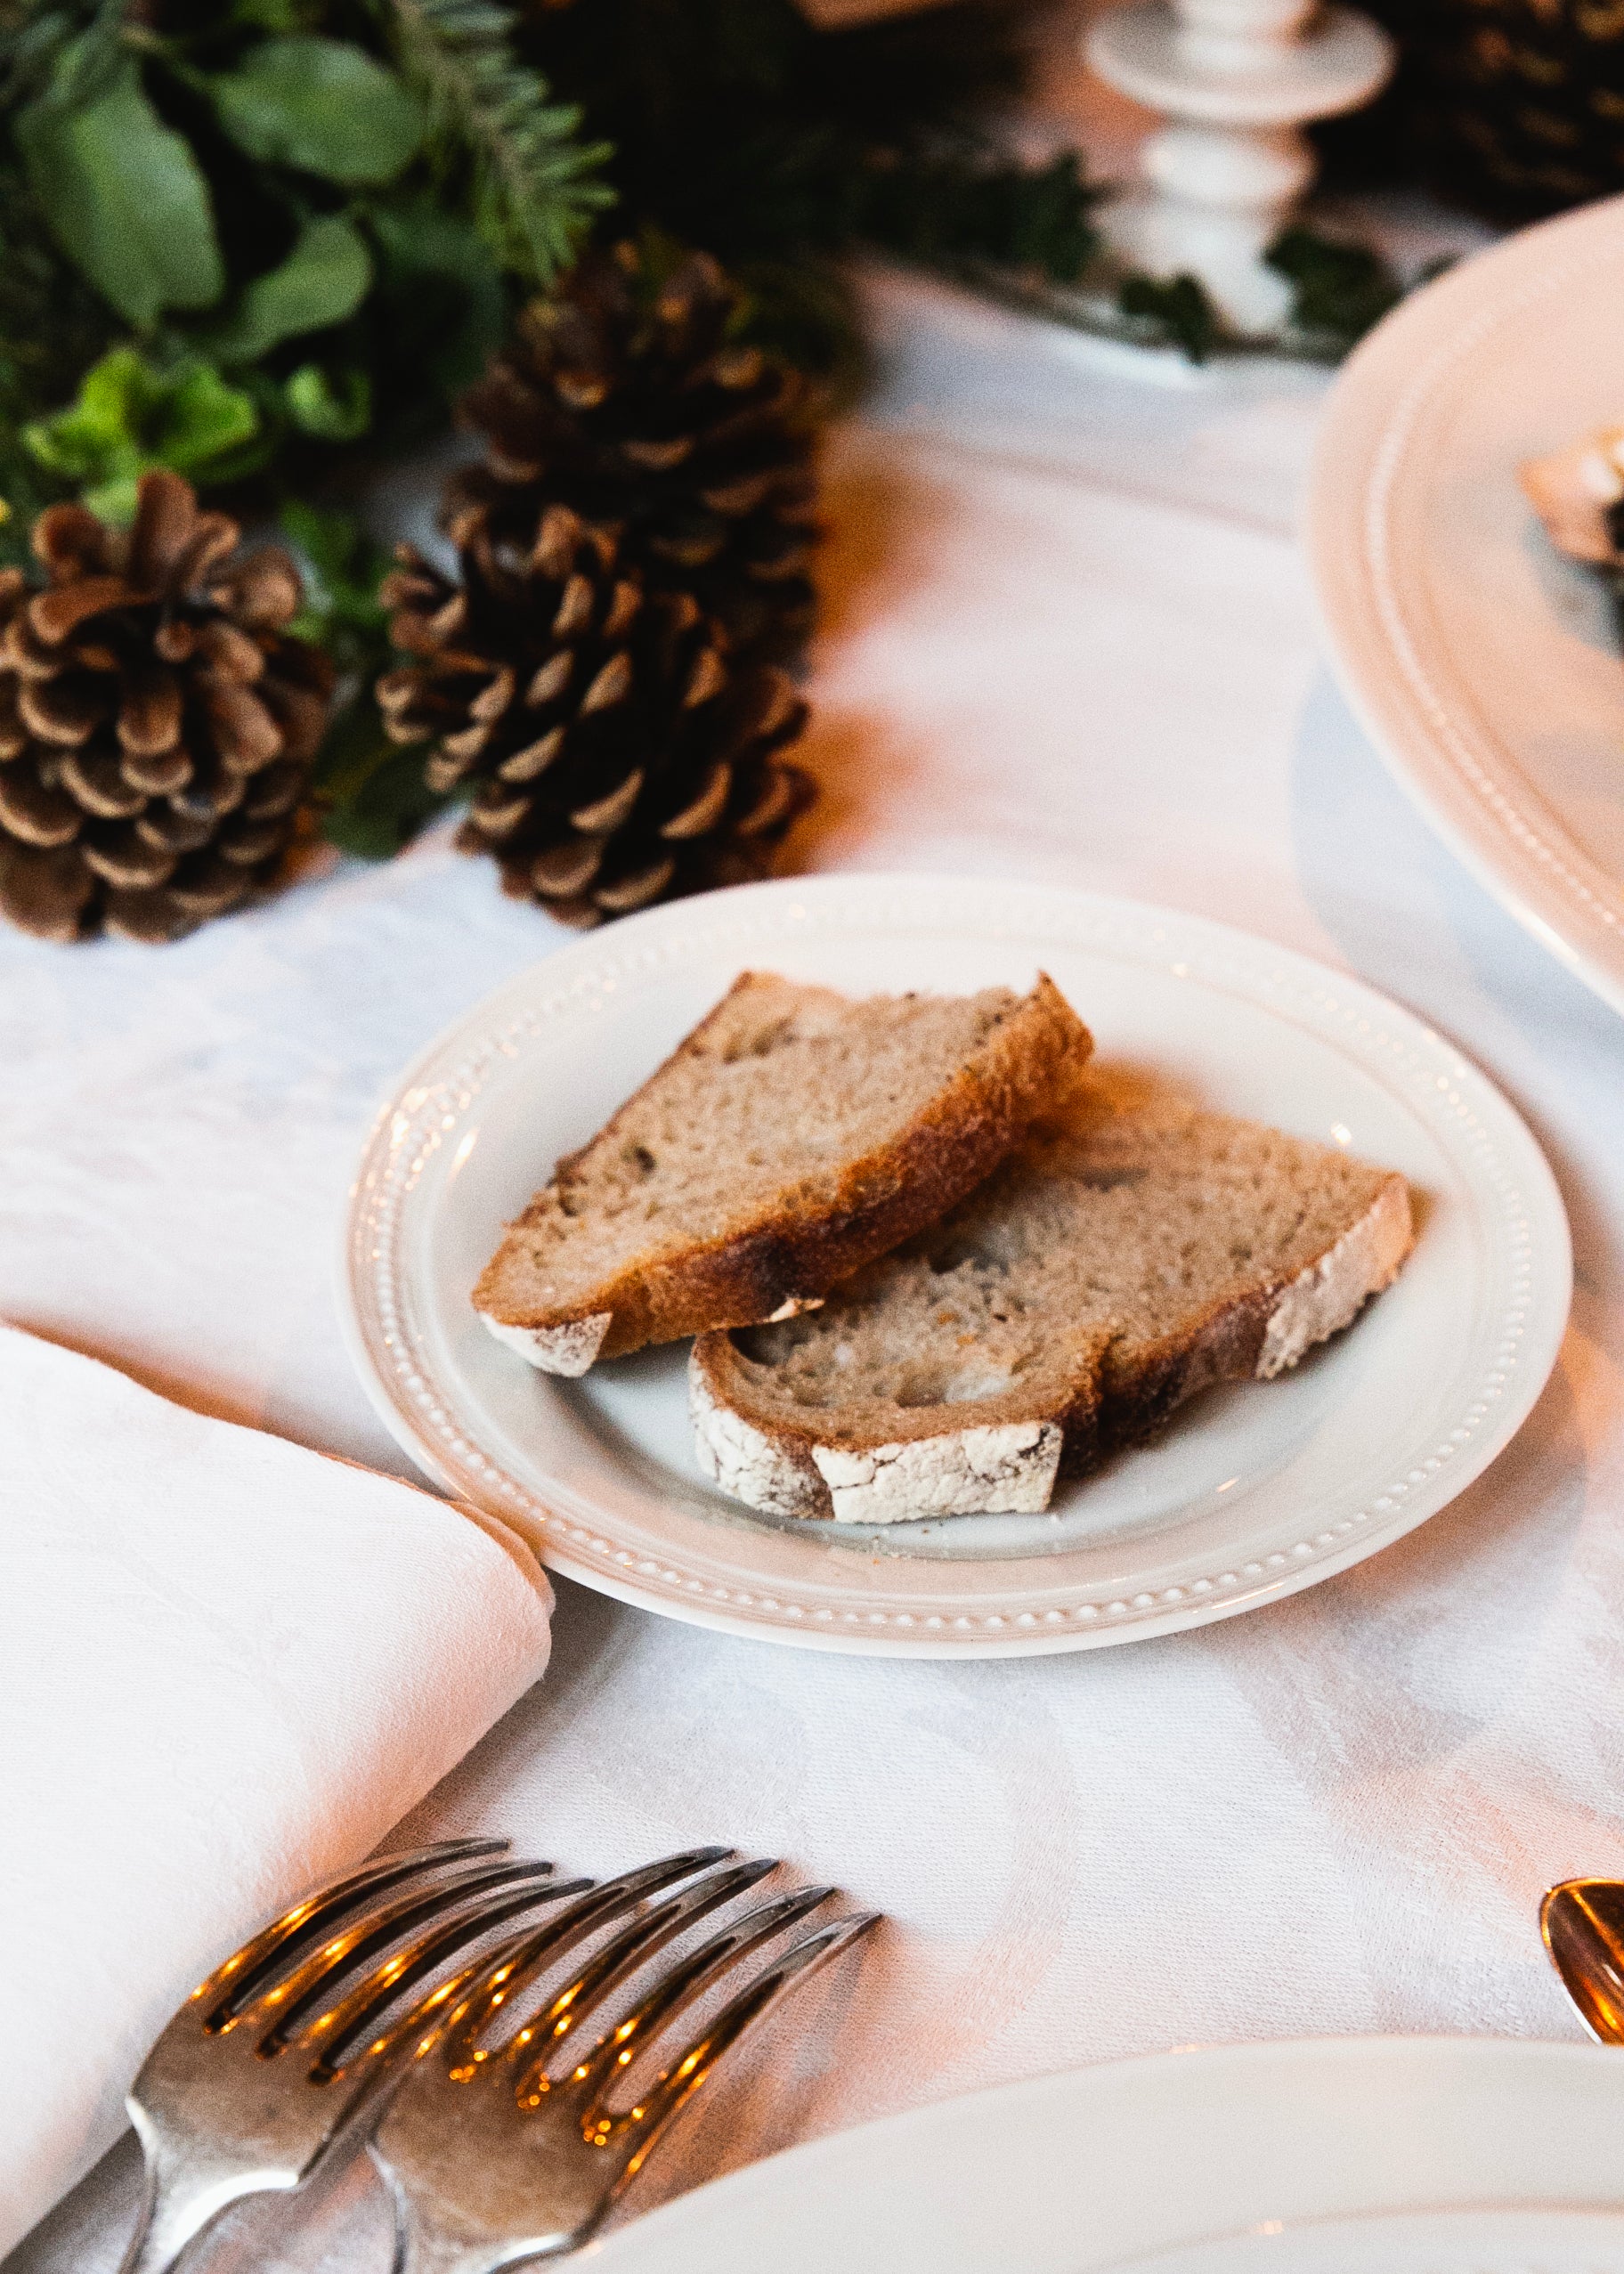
{"points": [[1068, 636]]}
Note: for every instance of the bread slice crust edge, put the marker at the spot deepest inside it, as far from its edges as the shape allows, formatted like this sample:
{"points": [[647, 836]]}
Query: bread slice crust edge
{"points": [[787, 1263], [1003, 1454]]}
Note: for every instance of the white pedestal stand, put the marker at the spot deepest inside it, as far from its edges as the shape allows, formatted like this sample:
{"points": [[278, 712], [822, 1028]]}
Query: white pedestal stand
{"points": [[1238, 79]]}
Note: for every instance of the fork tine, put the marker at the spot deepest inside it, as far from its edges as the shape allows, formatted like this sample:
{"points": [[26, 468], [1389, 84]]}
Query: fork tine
{"points": [[231, 1983], [340, 2029], [621, 1956], [686, 1980], [279, 2010], [511, 1969], [753, 2003]]}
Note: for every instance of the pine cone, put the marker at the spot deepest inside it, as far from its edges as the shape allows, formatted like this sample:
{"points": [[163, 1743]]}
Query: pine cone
{"points": [[157, 725], [627, 402], [616, 757]]}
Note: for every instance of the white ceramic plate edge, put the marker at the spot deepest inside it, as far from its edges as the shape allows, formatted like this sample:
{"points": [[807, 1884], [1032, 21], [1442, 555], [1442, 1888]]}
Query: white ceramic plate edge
{"points": [[1426, 1496], [1092, 2168], [1497, 824]]}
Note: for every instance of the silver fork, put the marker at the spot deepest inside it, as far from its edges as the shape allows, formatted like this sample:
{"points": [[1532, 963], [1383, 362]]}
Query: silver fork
{"points": [[279, 2059], [490, 2159]]}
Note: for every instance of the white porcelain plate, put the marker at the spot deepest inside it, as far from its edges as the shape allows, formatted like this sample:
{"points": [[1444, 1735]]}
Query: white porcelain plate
{"points": [[1255, 1491], [1486, 668], [1365, 2155]]}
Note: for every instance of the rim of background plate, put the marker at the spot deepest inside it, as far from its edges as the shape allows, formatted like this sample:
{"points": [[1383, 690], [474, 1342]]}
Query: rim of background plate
{"points": [[1462, 1109], [1427, 730]]}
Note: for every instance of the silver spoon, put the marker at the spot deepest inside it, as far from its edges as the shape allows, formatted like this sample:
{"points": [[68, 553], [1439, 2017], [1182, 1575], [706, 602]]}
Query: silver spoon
{"points": [[1582, 1921]]}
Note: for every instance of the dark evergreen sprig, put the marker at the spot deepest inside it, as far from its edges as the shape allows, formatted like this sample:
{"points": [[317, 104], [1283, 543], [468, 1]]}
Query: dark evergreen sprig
{"points": [[1339, 290], [535, 186], [1174, 311], [957, 209]]}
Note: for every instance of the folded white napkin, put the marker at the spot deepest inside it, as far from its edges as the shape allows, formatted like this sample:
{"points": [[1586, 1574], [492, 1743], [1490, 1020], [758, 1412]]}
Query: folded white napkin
{"points": [[227, 1667]]}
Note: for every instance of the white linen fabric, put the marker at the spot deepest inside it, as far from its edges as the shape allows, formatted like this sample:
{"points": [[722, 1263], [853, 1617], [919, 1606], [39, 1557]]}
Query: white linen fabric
{"points": [[227, 1665], [1068, 636]]}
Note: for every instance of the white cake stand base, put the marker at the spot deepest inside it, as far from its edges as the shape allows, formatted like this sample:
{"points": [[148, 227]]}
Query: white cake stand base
{"points": [[1236, 80]]}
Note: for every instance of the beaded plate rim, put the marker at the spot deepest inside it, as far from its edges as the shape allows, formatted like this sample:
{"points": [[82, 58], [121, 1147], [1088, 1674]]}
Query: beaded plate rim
{"points": [[1468, 1118], [1376, 449]]}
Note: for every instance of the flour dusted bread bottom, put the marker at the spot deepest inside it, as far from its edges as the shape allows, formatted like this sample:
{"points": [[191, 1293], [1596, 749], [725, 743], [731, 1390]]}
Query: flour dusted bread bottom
{"points": [[794, 1135], [1106, 1272]]}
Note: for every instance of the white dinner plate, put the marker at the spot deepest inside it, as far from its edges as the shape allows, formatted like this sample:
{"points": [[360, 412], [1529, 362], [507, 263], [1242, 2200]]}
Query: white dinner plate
{"points": [[1486, 668], [1254, 1492], [1363, 2156]]}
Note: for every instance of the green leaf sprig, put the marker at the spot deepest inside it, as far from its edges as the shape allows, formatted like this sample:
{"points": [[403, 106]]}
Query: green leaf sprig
{"points": [[321, 106], [122, 192], [129, 417], [370, 794], [327, 204], [535, 186]]}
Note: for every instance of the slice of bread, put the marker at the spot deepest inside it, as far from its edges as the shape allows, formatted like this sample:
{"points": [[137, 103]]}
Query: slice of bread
{"points": [[1104, 1273], [793, 1136]]}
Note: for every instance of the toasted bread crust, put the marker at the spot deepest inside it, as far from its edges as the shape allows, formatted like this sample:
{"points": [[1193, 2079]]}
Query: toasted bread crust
{"points": [[742, 1278], [745, 1438]]}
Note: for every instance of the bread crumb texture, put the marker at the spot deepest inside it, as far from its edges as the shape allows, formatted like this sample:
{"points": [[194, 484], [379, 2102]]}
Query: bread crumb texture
{"points": [[791, 1137], [1109, 1270]]}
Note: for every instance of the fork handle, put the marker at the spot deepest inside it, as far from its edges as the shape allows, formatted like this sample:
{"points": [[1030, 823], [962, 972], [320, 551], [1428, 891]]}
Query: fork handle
{"points": [[181, 2195], [424, 2246]]}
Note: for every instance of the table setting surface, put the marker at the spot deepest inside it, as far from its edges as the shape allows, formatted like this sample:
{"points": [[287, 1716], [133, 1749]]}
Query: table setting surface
{"points": [[1069, 640]]}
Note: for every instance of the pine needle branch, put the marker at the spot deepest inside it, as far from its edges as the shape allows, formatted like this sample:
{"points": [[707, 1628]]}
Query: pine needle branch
{"points": [[535, 186]]}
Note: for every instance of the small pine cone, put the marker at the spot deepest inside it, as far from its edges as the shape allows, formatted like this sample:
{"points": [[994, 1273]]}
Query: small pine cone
{"points": [[157, 723], [627, 401], [616, 756]]}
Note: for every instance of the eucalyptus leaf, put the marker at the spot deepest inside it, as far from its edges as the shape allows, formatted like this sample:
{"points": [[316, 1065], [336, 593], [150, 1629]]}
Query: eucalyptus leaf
{"points": [[322, 106], [323, 280], [124, 196]]}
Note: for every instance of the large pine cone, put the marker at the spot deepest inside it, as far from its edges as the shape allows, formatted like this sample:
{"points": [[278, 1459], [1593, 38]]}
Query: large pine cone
{"points": [[616, 757], [157, 723], [1511, 106], [627, 401]]}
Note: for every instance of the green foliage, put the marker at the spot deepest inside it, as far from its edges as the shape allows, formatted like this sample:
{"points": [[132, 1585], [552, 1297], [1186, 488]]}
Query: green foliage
{"points": [[319, 106], [122, 192], [129, 416], [372, 795], [534, 187], [959, 212], [52, 327], [323, 280], [1338, 290], [303, 195], [333, 403], [343, 569], [438, 294], [371, 792], [1176, 311], [34, 34]]}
